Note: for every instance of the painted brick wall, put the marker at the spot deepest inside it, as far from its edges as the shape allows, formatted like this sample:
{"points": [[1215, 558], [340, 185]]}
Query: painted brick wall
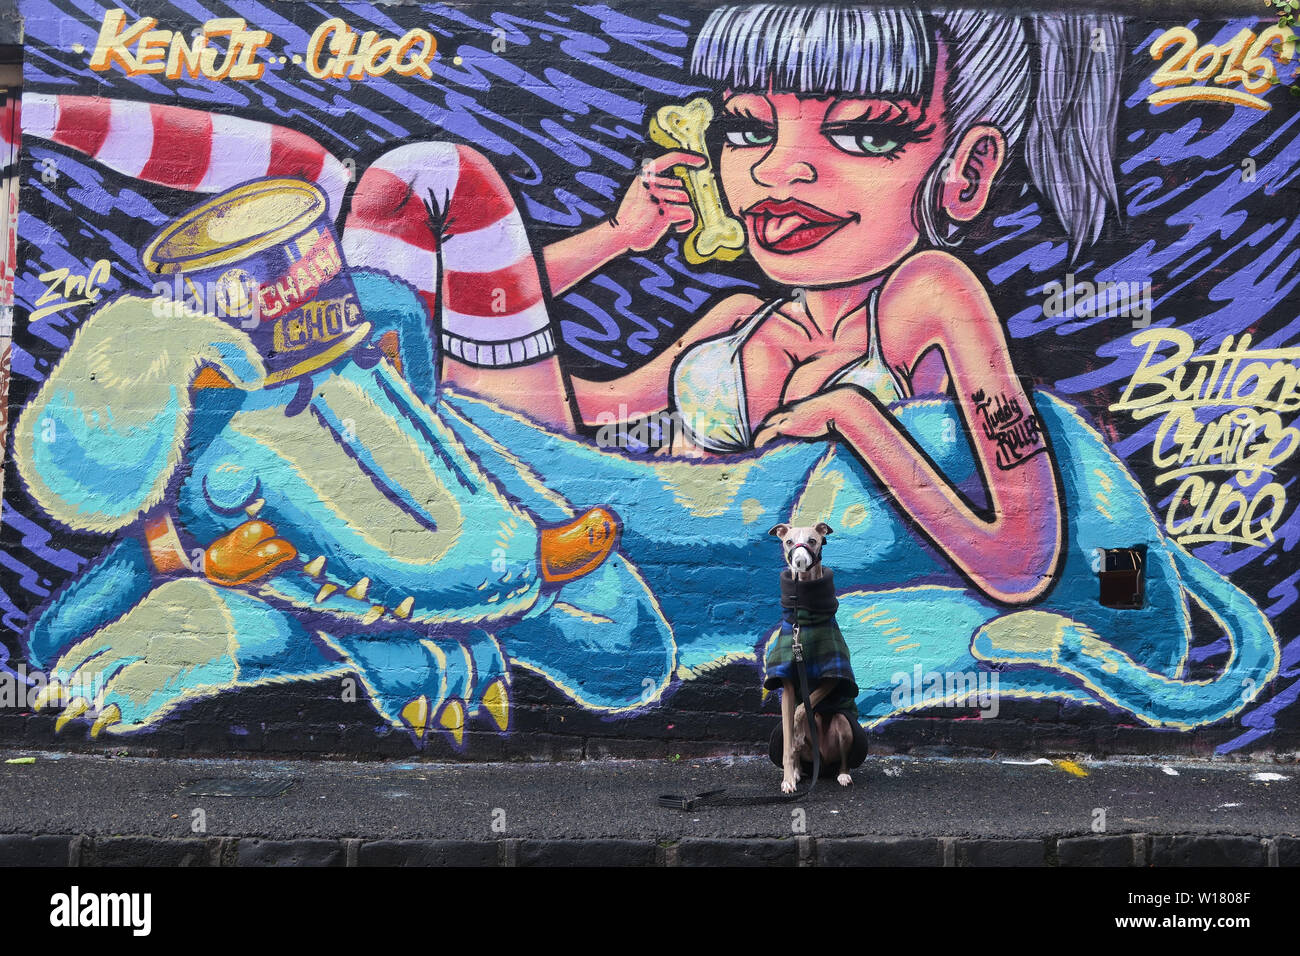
{"points": [[450, 379]]}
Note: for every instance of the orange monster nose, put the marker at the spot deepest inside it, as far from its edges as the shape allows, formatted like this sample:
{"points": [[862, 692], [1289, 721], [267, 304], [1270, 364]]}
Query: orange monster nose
{"points": [[579, 547], [245, 554]]}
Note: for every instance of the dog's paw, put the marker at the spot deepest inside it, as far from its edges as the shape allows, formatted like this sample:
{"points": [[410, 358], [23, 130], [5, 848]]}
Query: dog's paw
{"points": [[844, 779], [789, 777]]}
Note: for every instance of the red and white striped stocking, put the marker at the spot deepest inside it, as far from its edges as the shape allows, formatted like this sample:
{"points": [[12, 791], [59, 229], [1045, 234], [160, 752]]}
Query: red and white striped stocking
{"points": [[435, 215]]}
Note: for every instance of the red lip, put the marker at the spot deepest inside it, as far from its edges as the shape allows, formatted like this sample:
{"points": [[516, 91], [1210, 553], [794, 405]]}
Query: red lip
{"points": [[793, 207], [811, 225]]}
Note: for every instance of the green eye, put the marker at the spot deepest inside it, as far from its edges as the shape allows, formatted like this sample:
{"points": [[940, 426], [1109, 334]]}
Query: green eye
{"points": [[749, 137], [865, 144]]}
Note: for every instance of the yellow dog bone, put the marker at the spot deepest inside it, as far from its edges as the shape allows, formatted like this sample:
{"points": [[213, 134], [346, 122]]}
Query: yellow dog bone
{"points": [[716, 235]]}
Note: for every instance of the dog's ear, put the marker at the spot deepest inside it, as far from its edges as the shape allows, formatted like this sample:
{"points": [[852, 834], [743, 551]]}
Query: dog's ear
{"points": [[824, 529], [779, 531], [122, 424]]}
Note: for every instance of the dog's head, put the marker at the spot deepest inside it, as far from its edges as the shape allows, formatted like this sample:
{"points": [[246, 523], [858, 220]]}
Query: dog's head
{"points": [[802, 546]]}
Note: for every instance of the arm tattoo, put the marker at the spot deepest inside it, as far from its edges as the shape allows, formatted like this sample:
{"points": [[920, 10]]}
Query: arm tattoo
{"points": [[1019, 435]]}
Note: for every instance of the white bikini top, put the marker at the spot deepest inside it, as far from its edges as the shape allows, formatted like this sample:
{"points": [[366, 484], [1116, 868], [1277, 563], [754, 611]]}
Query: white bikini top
{"points": [[708, 383]]}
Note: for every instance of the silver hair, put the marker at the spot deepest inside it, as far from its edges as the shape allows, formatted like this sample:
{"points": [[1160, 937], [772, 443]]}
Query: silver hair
{"points": [[1062, 103]]}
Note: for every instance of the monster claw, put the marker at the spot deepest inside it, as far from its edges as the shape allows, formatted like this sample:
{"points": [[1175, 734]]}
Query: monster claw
{"points": [[253, 509], [416, 714], [375, 613], [359, 590], [50, 693], [579, 547], [314, 567], [325, 591], [74, 710], [452, 719], [496, 701], [403, 610], [110, 715]]}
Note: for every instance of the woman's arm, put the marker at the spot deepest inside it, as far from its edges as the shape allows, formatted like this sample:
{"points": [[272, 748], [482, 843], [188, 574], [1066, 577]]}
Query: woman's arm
{"points": [[1011, 548], [654, 203], [570, 260]]}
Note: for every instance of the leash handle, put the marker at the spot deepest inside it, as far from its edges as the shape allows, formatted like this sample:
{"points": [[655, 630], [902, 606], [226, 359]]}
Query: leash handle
{"points": [[674, 802]]}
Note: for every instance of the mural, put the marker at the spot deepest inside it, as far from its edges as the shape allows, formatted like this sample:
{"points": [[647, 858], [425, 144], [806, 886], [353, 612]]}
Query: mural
{"points": [[426, 346]]}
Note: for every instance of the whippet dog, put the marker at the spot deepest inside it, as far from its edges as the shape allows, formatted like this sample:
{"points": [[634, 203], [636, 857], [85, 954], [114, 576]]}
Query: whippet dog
{"points": [[825, 655]]}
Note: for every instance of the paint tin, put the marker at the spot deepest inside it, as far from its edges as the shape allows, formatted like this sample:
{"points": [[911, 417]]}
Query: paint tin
{"points": [[264, 256]]}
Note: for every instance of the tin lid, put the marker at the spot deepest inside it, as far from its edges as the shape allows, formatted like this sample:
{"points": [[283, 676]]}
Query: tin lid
{"points": [[235, 225]]}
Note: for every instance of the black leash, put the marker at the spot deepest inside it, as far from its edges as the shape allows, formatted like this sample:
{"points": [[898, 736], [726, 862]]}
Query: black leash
{"points": [[715, 798]]}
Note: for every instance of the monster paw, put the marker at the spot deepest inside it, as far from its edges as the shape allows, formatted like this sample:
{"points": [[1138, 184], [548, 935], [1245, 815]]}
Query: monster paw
{"points": [[174, 644], [184, 640], [421, 683], [603, 641]]}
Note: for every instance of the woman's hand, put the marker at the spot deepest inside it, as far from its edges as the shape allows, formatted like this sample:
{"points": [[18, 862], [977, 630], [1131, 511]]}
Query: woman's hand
{"points": [[655, 202], [808, 419]]}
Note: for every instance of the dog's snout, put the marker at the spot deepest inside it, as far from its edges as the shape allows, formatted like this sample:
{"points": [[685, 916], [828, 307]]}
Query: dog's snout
{"points": [[801, 557], [802, 546]]}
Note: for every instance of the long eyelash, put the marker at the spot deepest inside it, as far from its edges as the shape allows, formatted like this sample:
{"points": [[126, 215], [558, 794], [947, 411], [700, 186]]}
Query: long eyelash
{"points": [[889, 112], [737, 121], [899, 128], [730, 110], [734, 123]]}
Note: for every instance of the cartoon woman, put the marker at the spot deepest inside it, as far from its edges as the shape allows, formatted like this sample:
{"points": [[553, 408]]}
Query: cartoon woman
{"points": [[857, 144]]}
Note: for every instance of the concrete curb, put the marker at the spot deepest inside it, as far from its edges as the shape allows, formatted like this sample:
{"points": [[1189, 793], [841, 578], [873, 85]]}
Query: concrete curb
{"points": [[1137, 849]]}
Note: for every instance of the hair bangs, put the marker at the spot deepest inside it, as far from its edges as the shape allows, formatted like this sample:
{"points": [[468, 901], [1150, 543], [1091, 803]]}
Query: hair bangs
{"points": [[816, 50]]}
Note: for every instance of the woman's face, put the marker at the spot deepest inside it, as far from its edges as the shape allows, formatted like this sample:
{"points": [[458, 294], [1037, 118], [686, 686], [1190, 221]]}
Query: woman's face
{"points": [[826, 186]]}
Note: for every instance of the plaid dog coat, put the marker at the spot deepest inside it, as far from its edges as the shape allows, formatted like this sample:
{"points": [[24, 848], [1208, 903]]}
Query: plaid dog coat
{"points": [[812, 604]]}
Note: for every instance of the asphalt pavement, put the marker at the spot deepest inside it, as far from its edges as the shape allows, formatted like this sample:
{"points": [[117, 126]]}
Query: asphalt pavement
{"points": [[80, 809]]}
